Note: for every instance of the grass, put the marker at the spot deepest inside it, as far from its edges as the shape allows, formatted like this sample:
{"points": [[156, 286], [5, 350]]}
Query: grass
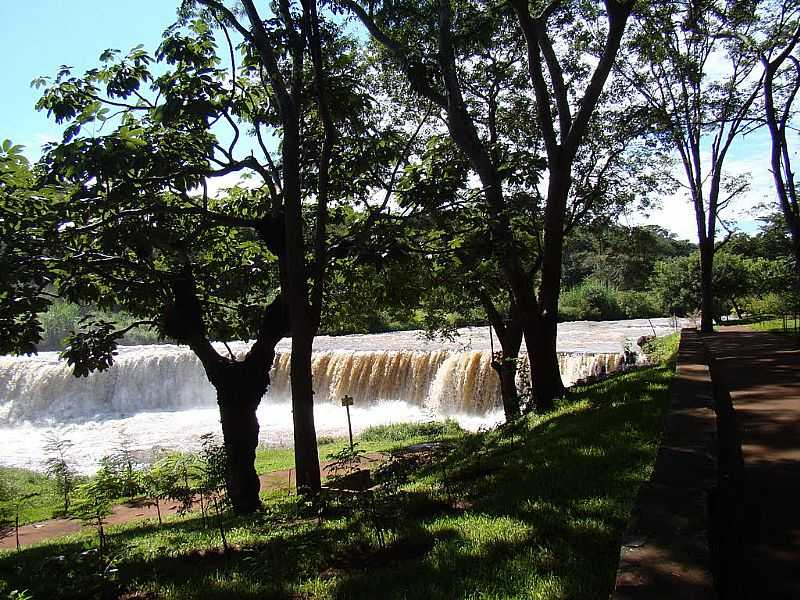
{"points": [[22, 482], [535, 510], [777, 326], [664, 349], [384, 438], [379, 438]]}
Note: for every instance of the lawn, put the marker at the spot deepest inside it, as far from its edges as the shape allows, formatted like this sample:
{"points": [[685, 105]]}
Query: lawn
{"points": [[44, 502], [531, 511], [789, 327], [47, 503]]}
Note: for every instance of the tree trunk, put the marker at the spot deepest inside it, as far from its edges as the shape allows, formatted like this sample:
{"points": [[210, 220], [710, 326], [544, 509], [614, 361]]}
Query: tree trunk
{"points": [[706, 287], [306, 457], [509, 334], [505, 365], [237, 408], [507, 370], [542, 323], [540, 338]]}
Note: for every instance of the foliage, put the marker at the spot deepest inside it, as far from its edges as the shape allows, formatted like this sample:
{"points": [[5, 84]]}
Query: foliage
{"points": [[664, 349], [620, 257], [736, 280], [62, 318], [27, 226], [93, 503], [44, 501], [58, 467], [638, 304], [157, 482], [179, 472], [345, 462], [398, 432], [7, 493], [122, 469], [589, 301], [693, 105]]}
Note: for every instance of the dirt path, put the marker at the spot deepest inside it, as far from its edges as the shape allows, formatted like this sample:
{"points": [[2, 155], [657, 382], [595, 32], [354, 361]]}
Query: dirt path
{"points": [[761, 371], [124, 513]]}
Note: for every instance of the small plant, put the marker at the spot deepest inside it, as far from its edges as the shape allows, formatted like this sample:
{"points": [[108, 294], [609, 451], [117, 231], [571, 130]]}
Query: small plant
{"points": [[181, 469], [93, 503], [58, 466], [122, 464], [158, 483], [19, 595], [345, 462], [213, 467]]}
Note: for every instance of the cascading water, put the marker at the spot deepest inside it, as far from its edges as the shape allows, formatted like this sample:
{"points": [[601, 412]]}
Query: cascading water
{"points": [[159, 394]]}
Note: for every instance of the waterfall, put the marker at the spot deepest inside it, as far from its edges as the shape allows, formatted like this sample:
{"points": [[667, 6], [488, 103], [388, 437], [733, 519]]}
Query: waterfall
{"points": [[160, 396], [157, 378]]}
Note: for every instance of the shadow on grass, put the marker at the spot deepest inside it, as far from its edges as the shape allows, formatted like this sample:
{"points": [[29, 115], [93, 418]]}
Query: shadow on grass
{"points": [[532, 510], [559, 491]]}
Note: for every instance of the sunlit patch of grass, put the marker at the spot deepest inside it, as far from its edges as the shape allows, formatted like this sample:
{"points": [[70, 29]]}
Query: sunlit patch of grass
{"points": [[44, 504], [382, 438], [790, 328]]}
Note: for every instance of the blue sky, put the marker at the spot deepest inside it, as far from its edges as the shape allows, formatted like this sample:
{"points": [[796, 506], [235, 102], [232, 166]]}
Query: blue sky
{"points": [[40, 35]]}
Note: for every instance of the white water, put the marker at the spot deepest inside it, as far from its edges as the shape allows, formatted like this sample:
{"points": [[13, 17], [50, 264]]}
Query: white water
{"points": [[159, 396]]}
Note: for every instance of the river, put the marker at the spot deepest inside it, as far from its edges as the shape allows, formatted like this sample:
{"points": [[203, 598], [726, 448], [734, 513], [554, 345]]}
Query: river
{"points": [[158, 395]]}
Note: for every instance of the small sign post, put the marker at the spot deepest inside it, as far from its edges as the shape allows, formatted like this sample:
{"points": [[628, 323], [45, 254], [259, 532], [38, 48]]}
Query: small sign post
{"points": [[347, 402]]}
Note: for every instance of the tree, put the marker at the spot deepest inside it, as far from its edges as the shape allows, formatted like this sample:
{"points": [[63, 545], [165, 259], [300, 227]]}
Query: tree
{"points": [[58, 466], [671, 53], [619, 256], [158, 482], [94, 502], [122, 468], [781, 82], [26, 228], [433, 52], [143, 233], [677, 282]]}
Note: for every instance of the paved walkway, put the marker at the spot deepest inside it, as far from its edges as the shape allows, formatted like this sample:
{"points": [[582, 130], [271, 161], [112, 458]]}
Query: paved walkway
{"points": [[761, 371]]}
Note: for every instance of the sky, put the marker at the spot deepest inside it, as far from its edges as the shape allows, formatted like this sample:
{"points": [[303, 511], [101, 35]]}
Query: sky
{"points": [[41, 35]]}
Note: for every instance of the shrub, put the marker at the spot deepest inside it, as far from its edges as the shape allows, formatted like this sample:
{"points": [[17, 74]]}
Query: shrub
{"points": [[58, 467], [589, 301], [638, 305], [398, 432], [123, 468]]}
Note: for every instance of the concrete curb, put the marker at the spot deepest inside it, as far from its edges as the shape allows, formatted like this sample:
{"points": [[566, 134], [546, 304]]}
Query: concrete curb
{"points": [[665, 550]]}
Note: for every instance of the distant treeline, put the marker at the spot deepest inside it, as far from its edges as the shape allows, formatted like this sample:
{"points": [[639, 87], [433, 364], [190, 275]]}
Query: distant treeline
{"points": [[610, 272], [613, 272], [63, 317]]}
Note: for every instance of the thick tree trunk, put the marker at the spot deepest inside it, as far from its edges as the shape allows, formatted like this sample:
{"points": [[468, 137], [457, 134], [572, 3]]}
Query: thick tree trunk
{"points": [[507, 370], [237, 409], [306, 457], [540, 338], [542, 324], [706, 287], [505, 365]]}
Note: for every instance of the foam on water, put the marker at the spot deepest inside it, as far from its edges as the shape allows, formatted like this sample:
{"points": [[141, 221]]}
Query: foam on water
{"points": [[159, 395]]}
